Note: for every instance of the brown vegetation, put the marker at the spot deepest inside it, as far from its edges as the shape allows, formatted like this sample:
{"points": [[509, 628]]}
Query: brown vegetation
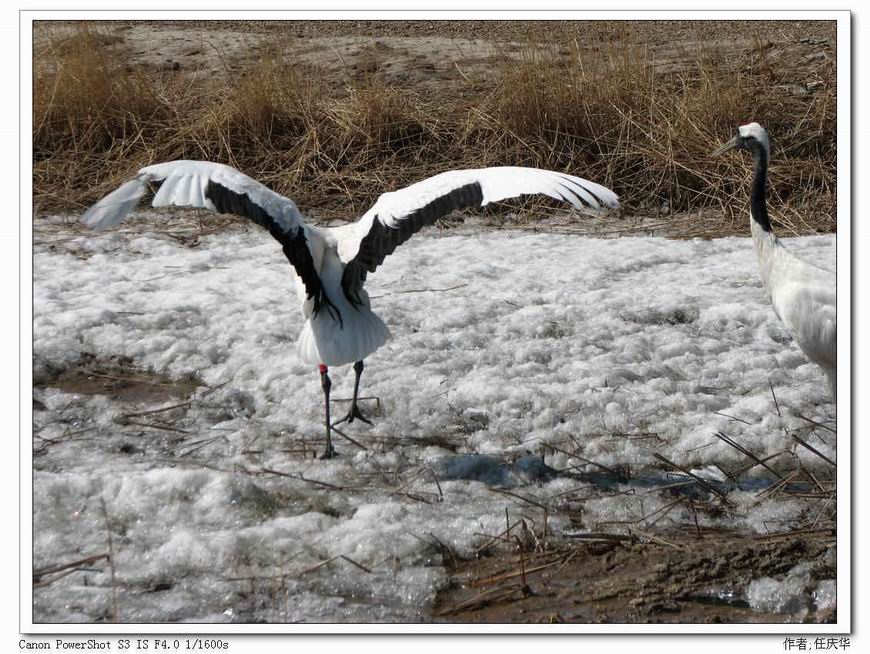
{"points": [[610, 112]]}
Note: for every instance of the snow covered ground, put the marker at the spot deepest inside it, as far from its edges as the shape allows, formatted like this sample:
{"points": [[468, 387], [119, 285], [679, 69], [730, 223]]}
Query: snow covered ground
{"points": [[503, 342]]}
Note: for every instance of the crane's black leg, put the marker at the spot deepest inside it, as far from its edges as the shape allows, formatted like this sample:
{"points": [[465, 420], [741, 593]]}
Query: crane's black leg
{"points": [[354, 413], [326, 383]]}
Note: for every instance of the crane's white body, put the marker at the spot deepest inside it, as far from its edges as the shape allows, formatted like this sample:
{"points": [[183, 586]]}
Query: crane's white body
{"points": [[344, 332], [804, 298], [322, 338]]}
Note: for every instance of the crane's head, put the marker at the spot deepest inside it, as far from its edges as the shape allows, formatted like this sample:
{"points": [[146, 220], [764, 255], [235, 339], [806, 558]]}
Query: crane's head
{"points": [[749, 137]]}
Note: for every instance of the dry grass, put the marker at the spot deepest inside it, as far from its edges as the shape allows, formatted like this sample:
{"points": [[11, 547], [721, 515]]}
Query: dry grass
{"points": [[649, 134], [613, 115]]}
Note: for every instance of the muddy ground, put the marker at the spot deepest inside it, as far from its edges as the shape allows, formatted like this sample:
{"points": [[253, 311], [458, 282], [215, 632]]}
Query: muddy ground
{"points": [[646, 579]]}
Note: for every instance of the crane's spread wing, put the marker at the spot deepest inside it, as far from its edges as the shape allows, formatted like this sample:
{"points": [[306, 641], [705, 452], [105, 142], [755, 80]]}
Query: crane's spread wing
{"points": [[208, 185], [398, 215]]}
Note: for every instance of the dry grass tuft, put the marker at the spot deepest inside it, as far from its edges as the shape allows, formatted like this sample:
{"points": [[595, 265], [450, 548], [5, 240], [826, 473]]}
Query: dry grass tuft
{"points": [[648, 134], [92, 113], [613, 114]]}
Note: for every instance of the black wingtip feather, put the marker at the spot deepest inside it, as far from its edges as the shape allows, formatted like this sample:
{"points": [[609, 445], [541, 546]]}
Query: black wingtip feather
{"points": [[600, 203]]}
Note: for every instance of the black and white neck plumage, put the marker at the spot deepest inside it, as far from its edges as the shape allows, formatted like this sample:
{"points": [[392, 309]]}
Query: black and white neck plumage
{"points": [[759, 145], [331, 264], [804, 296]]}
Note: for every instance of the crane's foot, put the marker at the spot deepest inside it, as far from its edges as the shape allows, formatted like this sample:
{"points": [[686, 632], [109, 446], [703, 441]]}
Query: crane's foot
{"points": [[353, 414], [330, 453]]}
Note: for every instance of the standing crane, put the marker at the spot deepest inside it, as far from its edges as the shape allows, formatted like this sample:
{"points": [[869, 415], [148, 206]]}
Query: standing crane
{"points": [[804, 296]]}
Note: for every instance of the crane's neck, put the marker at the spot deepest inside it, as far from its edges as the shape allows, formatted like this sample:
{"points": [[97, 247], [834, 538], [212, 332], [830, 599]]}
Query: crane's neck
{"points": [[758, 198], [762, 234]]}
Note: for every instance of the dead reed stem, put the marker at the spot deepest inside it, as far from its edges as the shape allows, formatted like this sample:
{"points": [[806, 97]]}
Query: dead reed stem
{"points": [[111, 559]]}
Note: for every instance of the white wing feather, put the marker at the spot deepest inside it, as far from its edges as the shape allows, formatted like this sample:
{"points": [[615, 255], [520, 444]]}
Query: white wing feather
{"points": [[185, 184], [496, 184]]}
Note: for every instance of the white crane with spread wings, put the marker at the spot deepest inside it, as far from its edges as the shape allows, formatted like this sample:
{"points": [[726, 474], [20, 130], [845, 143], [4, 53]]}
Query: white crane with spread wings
{"points": [[331, 264]]}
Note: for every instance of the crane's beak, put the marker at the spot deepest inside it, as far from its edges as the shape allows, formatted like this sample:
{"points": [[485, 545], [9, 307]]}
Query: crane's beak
{"points": [[724, 147]]}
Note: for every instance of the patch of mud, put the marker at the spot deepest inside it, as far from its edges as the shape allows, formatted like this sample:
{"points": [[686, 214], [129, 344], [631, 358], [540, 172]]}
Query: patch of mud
{"points": [[622, 580], [118, 379]]}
